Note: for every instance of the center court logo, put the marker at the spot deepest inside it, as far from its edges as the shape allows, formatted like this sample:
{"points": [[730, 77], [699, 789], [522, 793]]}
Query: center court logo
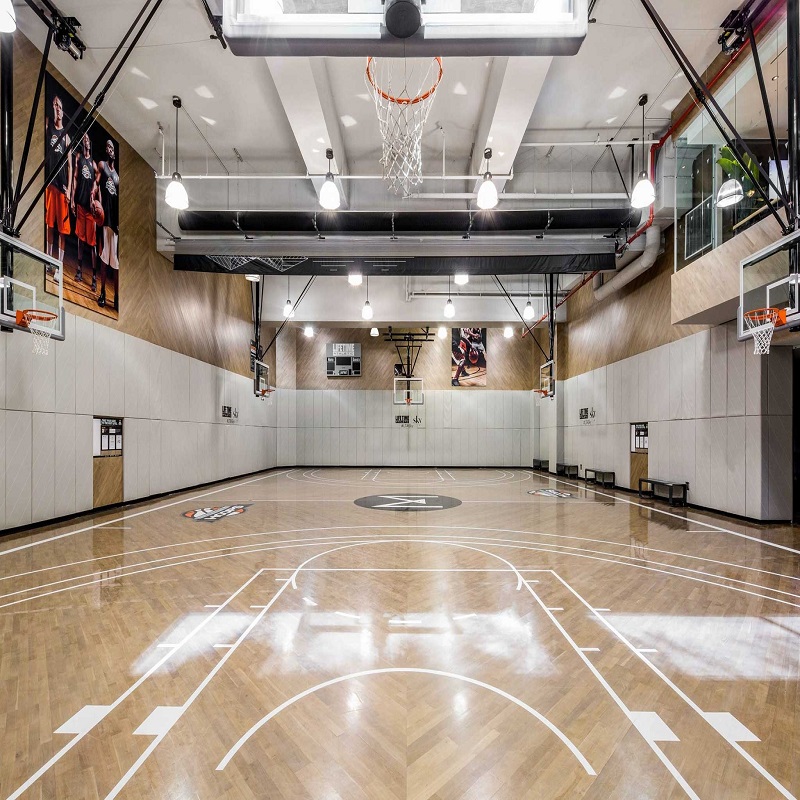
{"points": [[550, 493], [408, 502], [215, 513]]}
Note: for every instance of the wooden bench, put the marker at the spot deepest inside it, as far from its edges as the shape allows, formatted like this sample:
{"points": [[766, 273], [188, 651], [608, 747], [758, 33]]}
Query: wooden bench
{"points": [[541, 464], [671, 487], [605, 477], [567, 470]]}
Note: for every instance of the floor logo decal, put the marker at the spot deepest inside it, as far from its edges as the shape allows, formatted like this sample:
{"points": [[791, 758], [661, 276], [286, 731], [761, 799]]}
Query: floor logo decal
{"points": [[214, 513], [408, 502], [550, 493]]}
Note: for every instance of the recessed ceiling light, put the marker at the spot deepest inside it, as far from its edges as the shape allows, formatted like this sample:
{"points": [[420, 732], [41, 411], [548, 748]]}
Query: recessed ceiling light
{"points": [[208, 120], [204, 91], [617, 92], [147, 103], [348, 121], [460, 89], [138, 73]]}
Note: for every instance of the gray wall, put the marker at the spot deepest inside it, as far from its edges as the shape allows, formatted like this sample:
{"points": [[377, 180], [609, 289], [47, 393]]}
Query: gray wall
{"points": [[720, 418], [174, 435], [356, 428]]}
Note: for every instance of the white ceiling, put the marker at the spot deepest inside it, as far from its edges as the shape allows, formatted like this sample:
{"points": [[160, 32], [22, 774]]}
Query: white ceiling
{"points": [[236, 104]]}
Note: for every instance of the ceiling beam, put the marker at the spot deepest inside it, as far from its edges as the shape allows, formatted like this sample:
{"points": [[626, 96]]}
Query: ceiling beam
{"points": [[304, 89], [511, 94]]}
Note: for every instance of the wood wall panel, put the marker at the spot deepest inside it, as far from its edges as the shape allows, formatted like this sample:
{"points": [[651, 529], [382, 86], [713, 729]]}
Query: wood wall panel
{"points": [[512, 363], [633, 320], [201, 315], [107, 480], [707, 290], [639, 469]]}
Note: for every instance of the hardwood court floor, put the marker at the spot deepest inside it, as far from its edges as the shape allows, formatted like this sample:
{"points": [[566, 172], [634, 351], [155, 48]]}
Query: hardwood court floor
{"points": [[517, 645]]}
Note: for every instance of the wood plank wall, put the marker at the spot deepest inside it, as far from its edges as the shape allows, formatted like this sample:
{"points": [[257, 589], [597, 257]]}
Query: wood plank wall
{"points": [[204, 316], [513, 364], [633, 320]]}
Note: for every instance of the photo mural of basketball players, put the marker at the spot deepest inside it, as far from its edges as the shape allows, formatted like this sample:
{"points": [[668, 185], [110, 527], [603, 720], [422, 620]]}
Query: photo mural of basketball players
{"points": [[58, 194], [84, 198], [84, 235], [108, 185], [469, 357]]}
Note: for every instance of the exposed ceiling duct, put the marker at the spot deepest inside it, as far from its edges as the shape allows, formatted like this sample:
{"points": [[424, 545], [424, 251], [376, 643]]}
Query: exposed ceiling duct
{"points": [[402, 28]]}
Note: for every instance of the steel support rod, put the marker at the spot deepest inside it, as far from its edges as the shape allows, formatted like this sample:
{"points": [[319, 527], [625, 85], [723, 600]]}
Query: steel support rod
{"points": [[768, 112], [89, 118], [711, 106], [793, 64], [34, 114], [6, 126]]}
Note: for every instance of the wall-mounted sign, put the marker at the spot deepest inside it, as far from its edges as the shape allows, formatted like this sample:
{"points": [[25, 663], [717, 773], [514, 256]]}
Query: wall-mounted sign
{"points": [[343, 360], [230, 414], [640, 439], [216, 513], [409, 416], [587, 416], [107, 436]]}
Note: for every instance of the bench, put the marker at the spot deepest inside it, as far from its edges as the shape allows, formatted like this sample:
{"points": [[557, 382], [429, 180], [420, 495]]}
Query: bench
{"points": [[605, 477], [541, 464], [567, 470], [671, 488]]}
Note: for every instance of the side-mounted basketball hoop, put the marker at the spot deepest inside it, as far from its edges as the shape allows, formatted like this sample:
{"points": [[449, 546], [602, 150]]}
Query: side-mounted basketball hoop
{"points": [[403, 92], [36, 321], [761, 324]]}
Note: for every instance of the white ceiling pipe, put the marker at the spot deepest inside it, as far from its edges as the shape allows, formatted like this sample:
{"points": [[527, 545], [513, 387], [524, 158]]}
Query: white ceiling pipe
{"points": [[652, 245], [620, 142], [561, 197], [507, 176]]}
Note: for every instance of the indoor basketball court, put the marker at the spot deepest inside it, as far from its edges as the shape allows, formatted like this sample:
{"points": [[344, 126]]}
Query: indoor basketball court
{"points": [[398, 399]]}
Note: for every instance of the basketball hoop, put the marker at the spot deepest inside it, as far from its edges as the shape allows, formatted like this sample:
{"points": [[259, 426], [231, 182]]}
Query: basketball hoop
{"points": [[761, 323], [41, 334], [402, 115]]}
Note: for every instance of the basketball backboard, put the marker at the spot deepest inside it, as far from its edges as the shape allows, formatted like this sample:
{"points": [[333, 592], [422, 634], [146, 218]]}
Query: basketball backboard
{"points": [[547, 379], [765, 281], [261, 386], [25, 290], [408, 391]]}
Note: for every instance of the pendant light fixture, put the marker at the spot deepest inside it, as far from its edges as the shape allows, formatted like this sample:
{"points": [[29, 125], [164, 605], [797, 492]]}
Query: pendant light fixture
{"points": [[253, 278], [644, 193], [288, 309], [730, 193], [329, 197], [449, 308], [528, 313], [176, 196], [8, 19], [366, 311], [487, 193]]}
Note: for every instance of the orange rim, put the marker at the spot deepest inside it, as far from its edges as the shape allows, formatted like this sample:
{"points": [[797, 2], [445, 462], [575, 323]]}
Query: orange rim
{"points": [[28, 315], [405, 101], [760, 316]]}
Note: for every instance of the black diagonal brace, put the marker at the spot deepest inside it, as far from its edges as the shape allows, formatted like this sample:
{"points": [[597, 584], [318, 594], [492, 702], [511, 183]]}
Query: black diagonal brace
{"points": [[88, 120], [516, 310], [713, 109]]}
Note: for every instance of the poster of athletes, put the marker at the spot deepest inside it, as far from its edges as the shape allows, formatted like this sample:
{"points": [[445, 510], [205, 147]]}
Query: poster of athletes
{"points": [[81, 207], [469, 357]]}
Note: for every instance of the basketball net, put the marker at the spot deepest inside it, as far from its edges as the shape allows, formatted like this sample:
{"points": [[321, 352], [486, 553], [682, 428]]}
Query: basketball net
{"points": [[761, 323], [403, 91]]}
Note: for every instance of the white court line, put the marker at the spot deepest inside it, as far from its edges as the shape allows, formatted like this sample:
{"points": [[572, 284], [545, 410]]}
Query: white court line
{"points": [[375, 477], [588, 649], [129, 691], [581, 550], [400, 527], [485, 540], [678, 691], [717, 528], [414, 670], [673, 770], [136, 514], [195, 694]]}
